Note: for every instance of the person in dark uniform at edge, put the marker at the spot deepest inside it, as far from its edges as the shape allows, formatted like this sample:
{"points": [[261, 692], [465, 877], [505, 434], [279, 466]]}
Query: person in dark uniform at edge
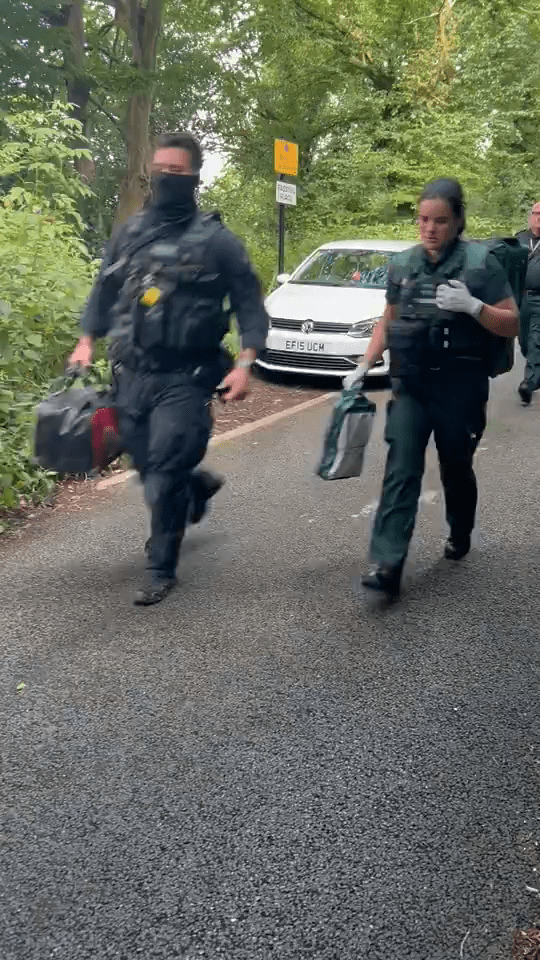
{"points": [[160, 296], [437, 324], [530, 332]]}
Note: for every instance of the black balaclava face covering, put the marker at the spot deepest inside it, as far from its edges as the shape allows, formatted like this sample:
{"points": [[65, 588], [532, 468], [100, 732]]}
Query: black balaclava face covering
{"points": [[173, 194]]}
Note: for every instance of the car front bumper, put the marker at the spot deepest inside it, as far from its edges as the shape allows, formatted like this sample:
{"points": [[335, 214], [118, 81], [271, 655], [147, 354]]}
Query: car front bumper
{"points": [[320, 355]]}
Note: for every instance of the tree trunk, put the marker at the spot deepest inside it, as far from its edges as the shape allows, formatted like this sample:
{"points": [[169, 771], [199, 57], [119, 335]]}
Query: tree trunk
{"points": [[142, 25], [69, 17], [134, 187], [78, 89]]}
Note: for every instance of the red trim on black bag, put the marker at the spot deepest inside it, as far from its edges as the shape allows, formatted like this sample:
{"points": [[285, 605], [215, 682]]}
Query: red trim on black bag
{"points": [[105, 438]]}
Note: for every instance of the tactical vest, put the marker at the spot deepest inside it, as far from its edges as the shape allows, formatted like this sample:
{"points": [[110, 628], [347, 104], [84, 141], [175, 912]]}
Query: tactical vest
{"points": [[169, 300], [423, 337], [532, 245]]}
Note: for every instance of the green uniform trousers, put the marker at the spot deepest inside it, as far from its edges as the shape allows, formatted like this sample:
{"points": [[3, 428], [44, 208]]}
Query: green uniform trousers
{"points": [[451, 404]]}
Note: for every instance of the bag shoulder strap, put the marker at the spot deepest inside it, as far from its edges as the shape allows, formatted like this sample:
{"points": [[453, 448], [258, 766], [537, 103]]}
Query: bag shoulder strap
{"points": [[201, 228]]}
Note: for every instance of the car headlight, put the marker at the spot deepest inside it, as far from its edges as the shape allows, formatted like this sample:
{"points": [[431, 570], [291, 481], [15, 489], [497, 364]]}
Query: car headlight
{"points": [[364, 328]]}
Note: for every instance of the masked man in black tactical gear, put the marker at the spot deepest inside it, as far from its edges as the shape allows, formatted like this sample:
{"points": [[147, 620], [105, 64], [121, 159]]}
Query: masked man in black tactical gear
{"points": [[530, 316], [160, 298]]}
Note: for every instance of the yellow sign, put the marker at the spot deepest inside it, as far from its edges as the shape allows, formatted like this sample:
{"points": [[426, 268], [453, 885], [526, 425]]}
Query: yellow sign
{"points": [[286, 157]]}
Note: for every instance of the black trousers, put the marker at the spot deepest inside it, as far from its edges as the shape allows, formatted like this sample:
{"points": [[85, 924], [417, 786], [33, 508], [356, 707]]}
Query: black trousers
{"points": [[530, 340], [451, 404], [165, 423]]}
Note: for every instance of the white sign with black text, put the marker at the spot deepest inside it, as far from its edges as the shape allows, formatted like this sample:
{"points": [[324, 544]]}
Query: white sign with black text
{"points": [[286, 193]]}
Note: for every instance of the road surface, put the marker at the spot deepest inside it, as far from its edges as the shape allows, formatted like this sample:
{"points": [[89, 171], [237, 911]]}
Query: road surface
{"points": [[266, 765]]}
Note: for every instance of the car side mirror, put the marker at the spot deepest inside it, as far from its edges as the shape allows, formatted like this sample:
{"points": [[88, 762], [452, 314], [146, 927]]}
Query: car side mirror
{"points": [[283, 277]]}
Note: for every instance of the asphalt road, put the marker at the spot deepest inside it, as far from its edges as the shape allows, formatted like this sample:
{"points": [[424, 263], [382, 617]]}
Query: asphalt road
{"points": [[266, 765]]}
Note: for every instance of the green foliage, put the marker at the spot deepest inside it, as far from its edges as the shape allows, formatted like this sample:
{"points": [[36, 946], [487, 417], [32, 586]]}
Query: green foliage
{"points": [[36, 162], [381, 96], [46, 274]]}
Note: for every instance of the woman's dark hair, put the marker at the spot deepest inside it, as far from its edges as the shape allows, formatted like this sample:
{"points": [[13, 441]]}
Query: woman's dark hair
{"points": [[451, 192], [183, 141]]}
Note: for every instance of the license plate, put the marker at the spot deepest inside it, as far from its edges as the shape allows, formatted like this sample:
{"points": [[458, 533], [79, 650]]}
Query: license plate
{"points": [[304, 346]]}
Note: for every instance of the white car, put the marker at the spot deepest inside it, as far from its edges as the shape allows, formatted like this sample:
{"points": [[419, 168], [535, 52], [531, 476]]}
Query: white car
{"points": [[322, 316]]}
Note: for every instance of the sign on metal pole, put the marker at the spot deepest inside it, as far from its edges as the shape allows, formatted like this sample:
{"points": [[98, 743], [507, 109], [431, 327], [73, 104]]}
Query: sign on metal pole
{"points": [[285, 164], [286, 157], [286, 193]]}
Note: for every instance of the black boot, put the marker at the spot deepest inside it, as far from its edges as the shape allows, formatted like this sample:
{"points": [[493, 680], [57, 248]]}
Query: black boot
{"points": [[457, 547], [204, 486], [384, 580], [154, 592], [525, 392]]}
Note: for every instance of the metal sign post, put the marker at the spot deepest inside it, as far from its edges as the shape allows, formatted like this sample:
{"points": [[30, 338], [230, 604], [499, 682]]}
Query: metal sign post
{"points": [[285, 164], [281, 234]]}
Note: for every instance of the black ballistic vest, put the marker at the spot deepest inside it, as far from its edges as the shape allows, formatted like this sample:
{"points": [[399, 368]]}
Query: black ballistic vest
{"points": [[532, 244], [169, 299]]}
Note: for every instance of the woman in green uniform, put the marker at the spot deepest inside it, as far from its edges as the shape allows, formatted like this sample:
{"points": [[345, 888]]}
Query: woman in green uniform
{"points": [[444, 303]]}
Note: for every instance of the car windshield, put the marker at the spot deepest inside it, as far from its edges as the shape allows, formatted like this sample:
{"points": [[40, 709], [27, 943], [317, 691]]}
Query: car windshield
{"points": [[346, 268]]}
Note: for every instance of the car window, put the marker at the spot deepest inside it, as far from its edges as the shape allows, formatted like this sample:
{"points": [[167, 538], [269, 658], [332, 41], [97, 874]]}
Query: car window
{"points": [[346, 268]]}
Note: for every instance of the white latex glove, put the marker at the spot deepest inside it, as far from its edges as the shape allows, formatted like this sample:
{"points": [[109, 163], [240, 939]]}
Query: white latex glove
{"points": [[356, 377], [455, 297]]}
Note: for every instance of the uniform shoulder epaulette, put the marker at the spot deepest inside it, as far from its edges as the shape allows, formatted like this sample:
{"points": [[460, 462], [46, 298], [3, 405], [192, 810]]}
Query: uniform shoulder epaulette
{"points": [[134, 223], [407, 258], [212, 215], [411, 253], [477, 252]]}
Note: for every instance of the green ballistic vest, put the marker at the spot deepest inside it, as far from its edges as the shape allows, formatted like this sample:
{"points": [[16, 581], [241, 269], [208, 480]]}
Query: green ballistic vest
{"points": [[423, 337]]}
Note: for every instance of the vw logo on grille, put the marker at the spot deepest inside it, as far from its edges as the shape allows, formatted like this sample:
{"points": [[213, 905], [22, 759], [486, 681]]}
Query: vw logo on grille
{"points": [[308, 326]]}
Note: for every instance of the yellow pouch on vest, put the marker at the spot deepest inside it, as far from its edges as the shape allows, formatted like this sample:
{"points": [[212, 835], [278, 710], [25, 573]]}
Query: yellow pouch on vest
{"points": [[150, 297]]}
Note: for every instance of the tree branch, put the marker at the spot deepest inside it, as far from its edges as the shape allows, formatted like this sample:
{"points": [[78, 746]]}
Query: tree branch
{"points": [[328, 28], [151, 29], [121, 16], [135, 14], [114, 120], [435, 13], [106, 53]]}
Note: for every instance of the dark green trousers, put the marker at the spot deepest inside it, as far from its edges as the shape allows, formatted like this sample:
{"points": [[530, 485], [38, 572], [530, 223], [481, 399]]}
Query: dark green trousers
{"points": [[450, 404]]}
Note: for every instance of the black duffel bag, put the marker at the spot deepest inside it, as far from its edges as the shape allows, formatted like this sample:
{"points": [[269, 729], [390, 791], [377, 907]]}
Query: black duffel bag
{"points": [[76, 429]]}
